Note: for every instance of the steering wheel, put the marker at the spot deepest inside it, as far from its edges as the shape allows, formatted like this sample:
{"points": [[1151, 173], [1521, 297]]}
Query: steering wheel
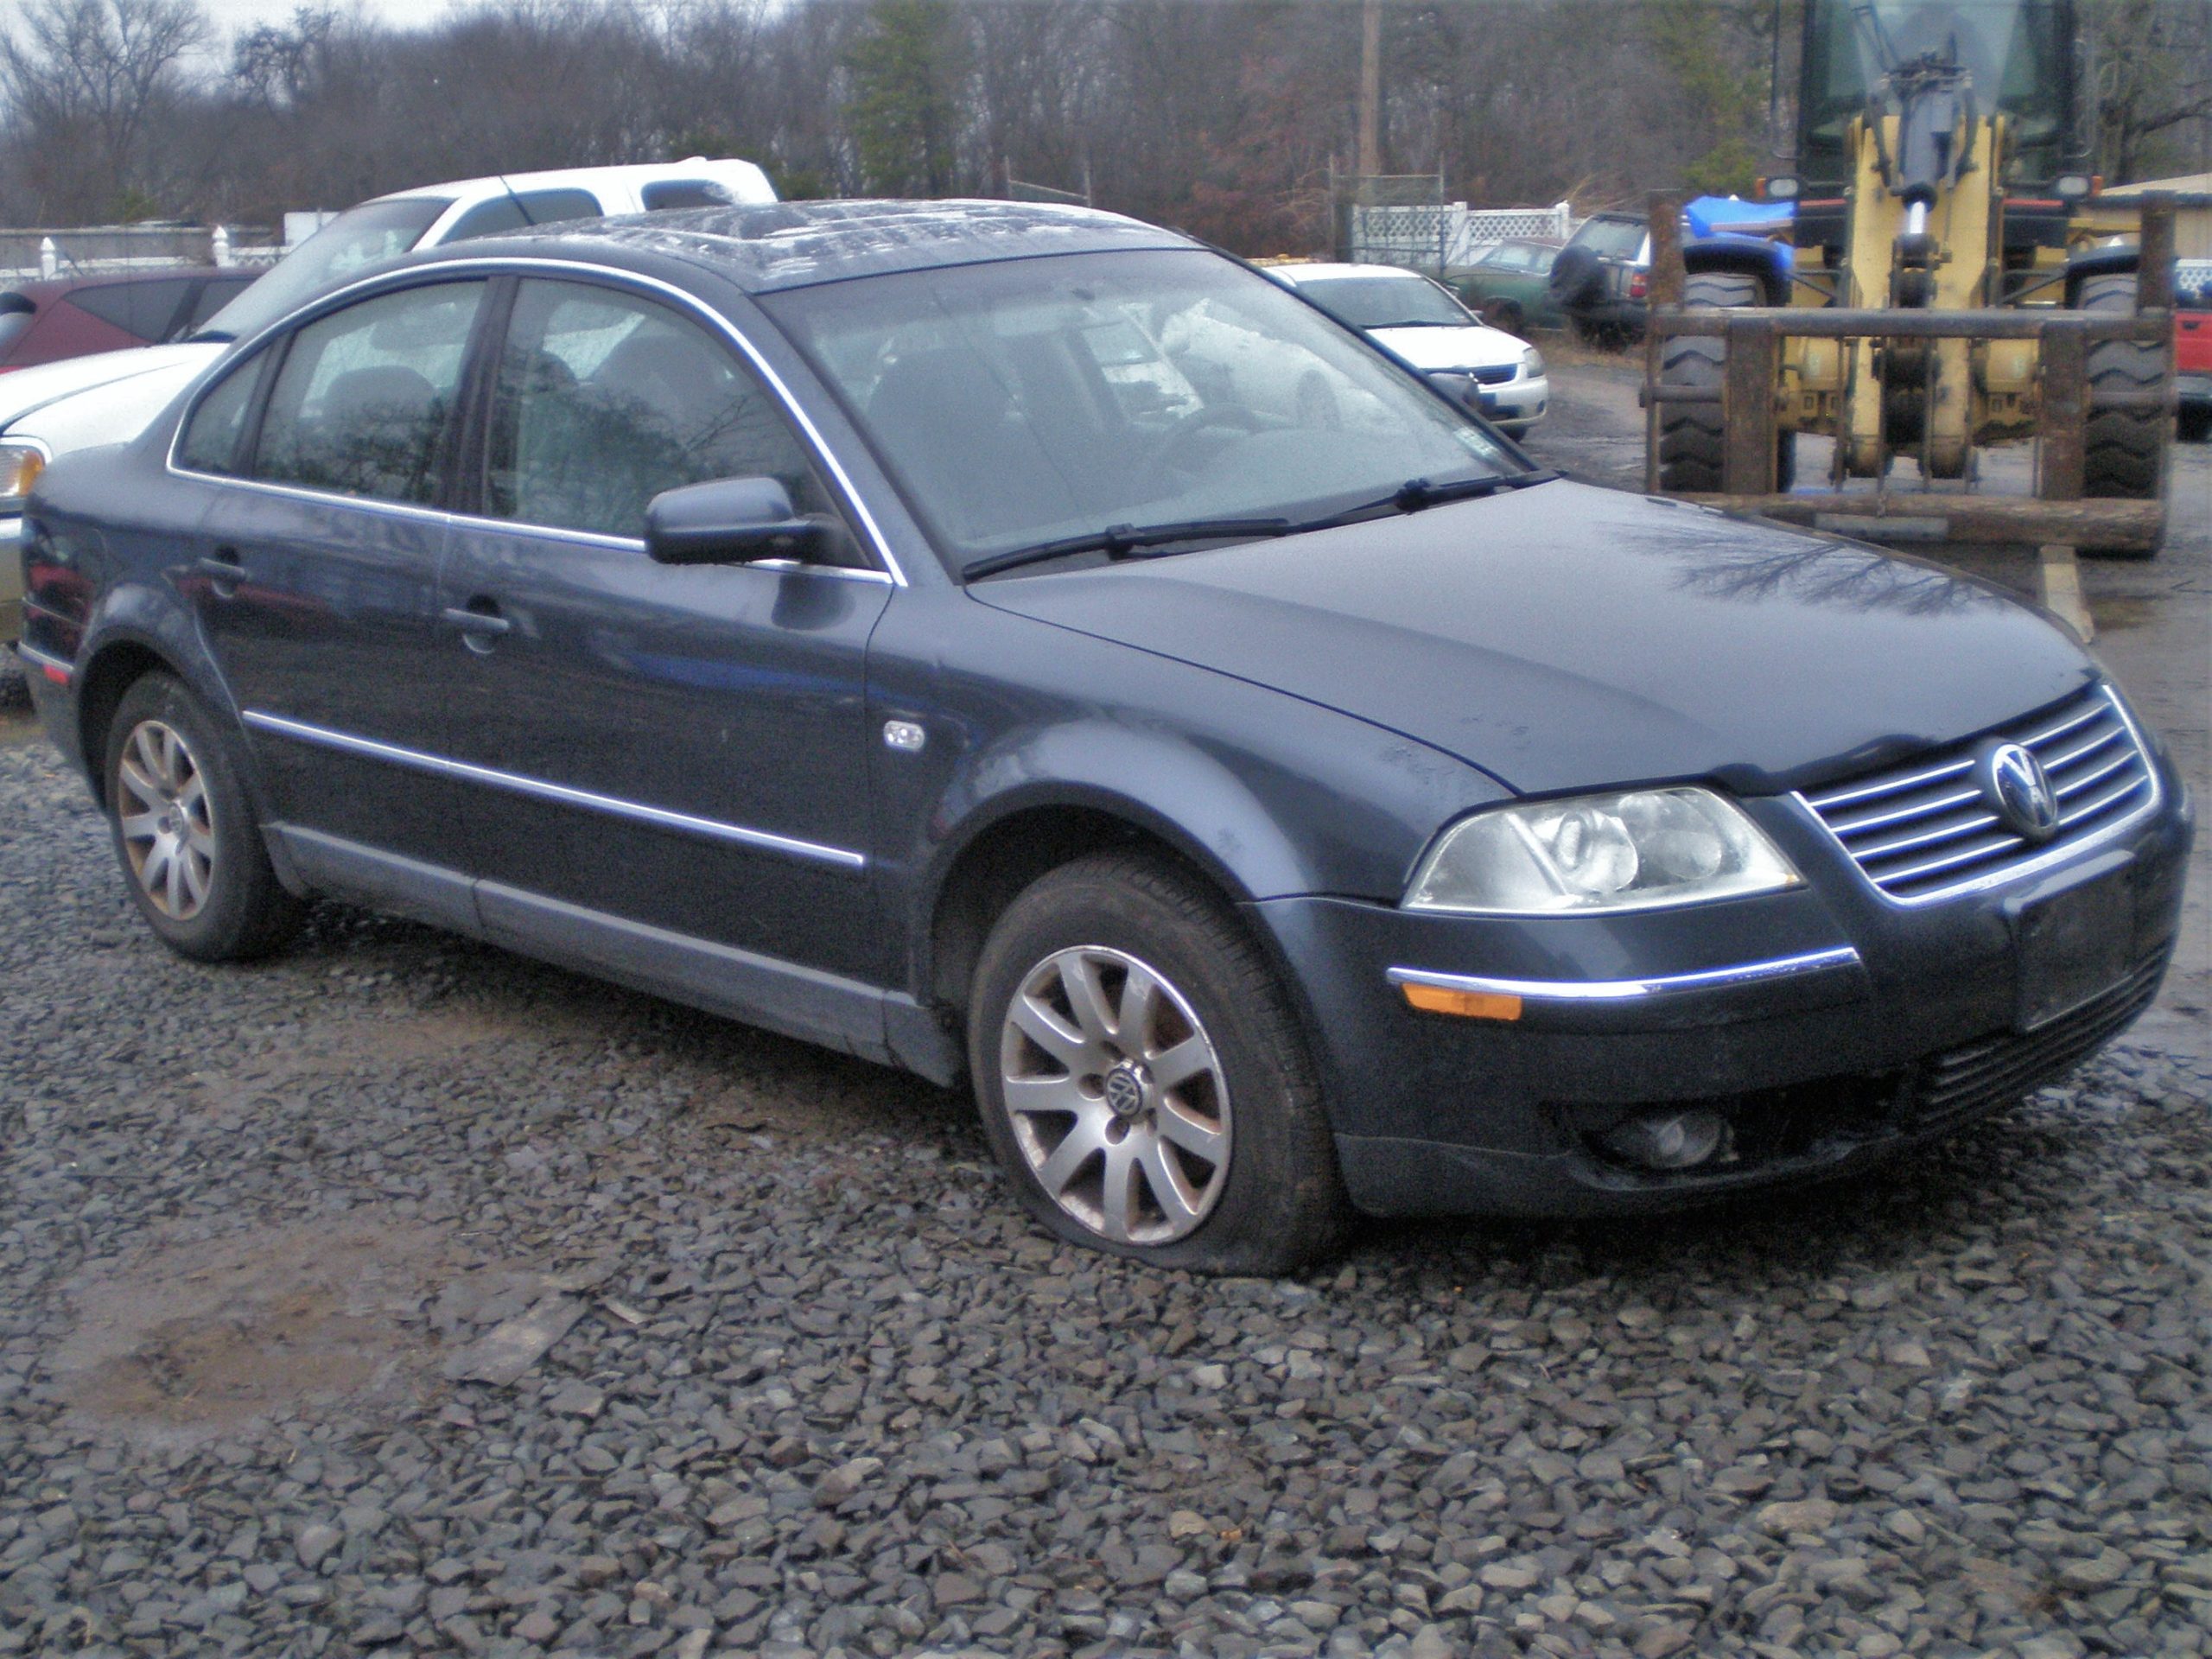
{"points": [[1189, 424]]}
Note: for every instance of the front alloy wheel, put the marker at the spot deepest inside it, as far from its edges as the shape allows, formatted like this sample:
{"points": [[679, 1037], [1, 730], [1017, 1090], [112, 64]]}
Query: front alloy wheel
{"points": [[1116, 1095], [1117, 1010], [166, 821]]}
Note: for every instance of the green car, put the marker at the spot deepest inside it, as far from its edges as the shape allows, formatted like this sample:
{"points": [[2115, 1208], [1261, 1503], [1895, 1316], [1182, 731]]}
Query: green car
{"points": [[1509, 286]]}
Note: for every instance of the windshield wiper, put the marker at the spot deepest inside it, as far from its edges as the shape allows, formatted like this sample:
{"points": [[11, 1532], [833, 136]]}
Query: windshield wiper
{"points": [[209, 337], [1417, 493], [1118, 540]]}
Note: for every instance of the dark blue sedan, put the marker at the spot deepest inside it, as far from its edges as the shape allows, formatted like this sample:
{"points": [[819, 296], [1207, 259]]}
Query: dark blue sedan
{"points": [[930, 630]]}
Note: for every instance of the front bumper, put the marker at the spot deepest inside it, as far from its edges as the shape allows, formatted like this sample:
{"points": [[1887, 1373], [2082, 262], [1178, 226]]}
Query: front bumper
{"points": [[11, 579], [1884, 1025], [2193, 390]]}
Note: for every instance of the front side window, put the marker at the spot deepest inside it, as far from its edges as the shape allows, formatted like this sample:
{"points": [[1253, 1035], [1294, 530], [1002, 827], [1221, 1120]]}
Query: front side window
{"points": [[216, 431], [366, 393], [1026, 401], [604, 400]]}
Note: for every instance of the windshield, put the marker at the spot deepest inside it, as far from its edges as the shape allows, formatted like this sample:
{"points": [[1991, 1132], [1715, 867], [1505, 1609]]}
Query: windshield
{"points": [[1385, 303], [1034, 400], [357, 239], [2020, 54]]}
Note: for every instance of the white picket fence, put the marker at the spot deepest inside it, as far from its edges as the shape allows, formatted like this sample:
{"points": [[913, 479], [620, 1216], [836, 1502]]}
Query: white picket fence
{"points": [[1441, 236], [38, 255]]}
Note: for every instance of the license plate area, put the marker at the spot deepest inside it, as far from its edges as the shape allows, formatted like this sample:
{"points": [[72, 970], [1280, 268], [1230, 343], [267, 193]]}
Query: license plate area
{"points": [[2073, 947]]}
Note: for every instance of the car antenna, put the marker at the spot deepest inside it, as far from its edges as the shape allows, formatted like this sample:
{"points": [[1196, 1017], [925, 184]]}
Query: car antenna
{"points": [[517, 200]]}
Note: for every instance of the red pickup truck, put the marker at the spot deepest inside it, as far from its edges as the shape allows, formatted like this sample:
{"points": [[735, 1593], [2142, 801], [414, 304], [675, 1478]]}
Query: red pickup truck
{"points": [[2193, 349]]}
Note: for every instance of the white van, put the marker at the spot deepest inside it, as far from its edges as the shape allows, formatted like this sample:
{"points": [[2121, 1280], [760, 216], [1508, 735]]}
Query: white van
{"points": [[109, 397]]}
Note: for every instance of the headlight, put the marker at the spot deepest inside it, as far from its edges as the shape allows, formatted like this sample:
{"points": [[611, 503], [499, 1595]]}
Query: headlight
{"points": [[1634, 850], [20, 466], [1532, 363]]}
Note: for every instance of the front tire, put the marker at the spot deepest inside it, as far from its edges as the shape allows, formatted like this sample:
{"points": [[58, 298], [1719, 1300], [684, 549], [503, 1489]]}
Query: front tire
{"points": [[185, 832], [1142, 1077]]}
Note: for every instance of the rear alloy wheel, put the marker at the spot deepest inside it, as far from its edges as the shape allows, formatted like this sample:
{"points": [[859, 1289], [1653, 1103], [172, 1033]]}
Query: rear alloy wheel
{"points": [[185, 832], [1142, 1077]]}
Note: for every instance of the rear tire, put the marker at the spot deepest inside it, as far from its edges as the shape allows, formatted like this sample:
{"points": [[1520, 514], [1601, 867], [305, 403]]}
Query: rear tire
{"points": [[1170, 1070], [185, 832], [2194, 425], [2122, 453], [1692, 444], [1504, 315]]}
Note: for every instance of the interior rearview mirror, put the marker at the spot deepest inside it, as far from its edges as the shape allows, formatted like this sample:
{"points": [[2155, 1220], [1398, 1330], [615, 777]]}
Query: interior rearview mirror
{"points": [[734, 521]]}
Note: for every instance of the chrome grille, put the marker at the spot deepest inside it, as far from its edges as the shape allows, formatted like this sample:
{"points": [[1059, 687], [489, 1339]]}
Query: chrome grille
{"points": [[1924, 829]]}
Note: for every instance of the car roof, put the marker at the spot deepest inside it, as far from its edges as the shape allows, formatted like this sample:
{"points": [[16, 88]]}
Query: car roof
{"points": [[726, 170], [1296, 274], [797, 244]]}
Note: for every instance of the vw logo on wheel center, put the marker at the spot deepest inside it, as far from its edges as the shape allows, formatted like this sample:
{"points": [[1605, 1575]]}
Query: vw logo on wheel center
{"points": [[2013, 782], [1125, 1089]]}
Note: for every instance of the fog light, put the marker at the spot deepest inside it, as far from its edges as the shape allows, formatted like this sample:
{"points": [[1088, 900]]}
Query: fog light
{"points": [[1679, 1140]]}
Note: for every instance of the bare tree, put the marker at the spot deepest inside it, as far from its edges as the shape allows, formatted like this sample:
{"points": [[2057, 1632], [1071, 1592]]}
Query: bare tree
{"points": [[89, 83]]}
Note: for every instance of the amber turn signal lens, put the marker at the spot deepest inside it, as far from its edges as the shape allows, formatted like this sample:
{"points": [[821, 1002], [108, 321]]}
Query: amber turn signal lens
{"points": [[20, 466], [1470, 1005]]}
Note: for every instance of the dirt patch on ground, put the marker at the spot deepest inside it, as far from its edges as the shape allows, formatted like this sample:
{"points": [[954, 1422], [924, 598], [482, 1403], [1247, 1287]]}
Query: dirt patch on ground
{"points": [[187, 1340]]}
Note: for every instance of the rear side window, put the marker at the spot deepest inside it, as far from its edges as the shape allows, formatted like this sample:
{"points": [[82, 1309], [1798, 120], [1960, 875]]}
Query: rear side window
{"points": [[17, 313], [663, 195], [366, 394], [215, 436], [143, 310], [503, 214], [218, 293]]}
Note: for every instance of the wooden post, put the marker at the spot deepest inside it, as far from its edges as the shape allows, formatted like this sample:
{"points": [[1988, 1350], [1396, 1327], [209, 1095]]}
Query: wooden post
{"points": [[1747, 407], [1663, 290], [2065, 407], [1371, 89], [2154, 279]]}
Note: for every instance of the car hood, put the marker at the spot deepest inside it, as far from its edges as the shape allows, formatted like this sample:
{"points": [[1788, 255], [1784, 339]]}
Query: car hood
{"points": [[27, 391], [1565, 637], [113, 411], [1473, 348]]}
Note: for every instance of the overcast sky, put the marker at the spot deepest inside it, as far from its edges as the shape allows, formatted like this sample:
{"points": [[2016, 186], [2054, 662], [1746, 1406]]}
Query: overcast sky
{"points": [[231, 15]]}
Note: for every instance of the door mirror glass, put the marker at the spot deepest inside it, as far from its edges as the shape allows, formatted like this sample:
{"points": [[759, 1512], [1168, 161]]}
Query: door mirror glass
{"points": [[734, 521]]}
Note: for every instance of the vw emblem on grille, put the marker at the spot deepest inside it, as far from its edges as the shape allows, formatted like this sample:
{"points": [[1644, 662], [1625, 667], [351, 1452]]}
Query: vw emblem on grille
{"points": [[2012, 781]]}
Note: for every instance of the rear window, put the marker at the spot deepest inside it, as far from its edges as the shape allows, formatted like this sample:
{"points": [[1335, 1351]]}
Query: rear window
{"points": [[1615, 238], [666, 194], [142, 309], [218, 293], [512, 212]]}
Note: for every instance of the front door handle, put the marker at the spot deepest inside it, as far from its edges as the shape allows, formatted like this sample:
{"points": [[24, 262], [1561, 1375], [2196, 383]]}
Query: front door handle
{"points": [[479, 623], [223, 571]]}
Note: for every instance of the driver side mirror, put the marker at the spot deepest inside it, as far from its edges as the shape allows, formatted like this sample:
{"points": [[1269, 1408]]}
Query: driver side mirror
{"points": [[734, 521]]}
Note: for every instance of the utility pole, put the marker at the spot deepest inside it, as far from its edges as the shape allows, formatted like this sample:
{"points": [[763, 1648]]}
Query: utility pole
{"points": [[1371, 88]]}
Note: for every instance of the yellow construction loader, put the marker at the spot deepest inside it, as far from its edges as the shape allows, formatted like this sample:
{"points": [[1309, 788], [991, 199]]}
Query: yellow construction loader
{"points": [[1940, 276]]}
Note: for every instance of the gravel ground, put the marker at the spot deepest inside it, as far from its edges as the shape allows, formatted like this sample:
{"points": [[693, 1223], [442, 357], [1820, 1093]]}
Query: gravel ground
{"points": [[401, 1295]]}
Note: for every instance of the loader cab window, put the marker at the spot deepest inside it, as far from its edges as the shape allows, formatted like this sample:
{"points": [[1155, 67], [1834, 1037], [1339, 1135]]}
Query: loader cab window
{"points": [[2020, 54]]}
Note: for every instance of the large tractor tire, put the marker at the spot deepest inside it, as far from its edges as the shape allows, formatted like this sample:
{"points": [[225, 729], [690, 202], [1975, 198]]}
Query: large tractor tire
{"points": [[1691, 448], [2121, 458]]}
